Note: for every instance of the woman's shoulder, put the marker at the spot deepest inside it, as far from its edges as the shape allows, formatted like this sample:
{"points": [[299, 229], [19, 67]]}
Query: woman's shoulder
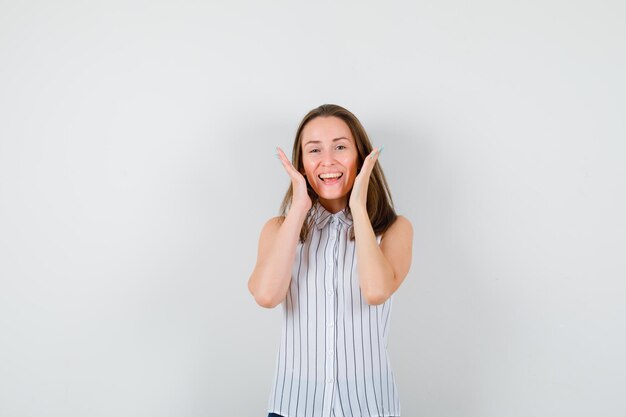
{"points": [[273, 223], [402, 220], [270, 230], [400, 226]]}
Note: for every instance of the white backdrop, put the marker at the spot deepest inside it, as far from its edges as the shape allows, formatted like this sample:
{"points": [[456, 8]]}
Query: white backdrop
{"points": [[137, 168]]}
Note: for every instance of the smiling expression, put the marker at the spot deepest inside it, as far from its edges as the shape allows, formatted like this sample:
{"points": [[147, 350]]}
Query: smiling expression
{"points": [[329, 158]]}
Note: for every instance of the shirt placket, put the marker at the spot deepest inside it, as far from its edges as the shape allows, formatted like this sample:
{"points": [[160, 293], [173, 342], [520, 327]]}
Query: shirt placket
{"points": [[329, 284]]}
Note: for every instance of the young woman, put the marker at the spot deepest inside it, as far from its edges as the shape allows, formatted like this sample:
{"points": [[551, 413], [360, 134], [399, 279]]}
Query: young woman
{"points": [[333, 259]]}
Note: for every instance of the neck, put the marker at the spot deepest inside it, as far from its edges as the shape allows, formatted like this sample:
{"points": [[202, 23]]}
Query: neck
{"points": [[334, 206]]}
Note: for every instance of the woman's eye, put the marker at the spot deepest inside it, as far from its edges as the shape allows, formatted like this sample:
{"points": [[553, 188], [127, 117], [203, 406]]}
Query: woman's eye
{"points": [[341, 147], [314, 150]]}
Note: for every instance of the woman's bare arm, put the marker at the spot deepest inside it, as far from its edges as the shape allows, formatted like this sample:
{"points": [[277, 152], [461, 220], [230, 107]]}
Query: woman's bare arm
{"points": [[271, 276], [270, 279], [381, 268]]}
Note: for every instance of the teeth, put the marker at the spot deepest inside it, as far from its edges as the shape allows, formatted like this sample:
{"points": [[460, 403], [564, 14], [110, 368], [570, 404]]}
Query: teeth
{"points": [[332, 175]]}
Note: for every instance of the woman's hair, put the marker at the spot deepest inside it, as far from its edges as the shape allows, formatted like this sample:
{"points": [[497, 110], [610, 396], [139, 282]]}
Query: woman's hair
{"points": [[379, 203]]}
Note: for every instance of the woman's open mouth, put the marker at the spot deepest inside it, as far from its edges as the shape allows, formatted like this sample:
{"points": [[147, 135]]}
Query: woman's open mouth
{"points": [[331, 177]]}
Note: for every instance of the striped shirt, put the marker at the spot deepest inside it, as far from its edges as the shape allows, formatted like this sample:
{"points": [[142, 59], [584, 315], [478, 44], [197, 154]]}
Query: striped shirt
{"points": [[332, 359]]}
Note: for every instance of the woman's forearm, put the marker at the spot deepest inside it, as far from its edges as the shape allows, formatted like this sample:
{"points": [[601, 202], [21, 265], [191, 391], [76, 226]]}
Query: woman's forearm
{"points": [[376, 274]]}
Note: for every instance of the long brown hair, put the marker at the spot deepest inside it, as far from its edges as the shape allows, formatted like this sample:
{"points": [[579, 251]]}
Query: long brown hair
{"points": [[379, 202]]}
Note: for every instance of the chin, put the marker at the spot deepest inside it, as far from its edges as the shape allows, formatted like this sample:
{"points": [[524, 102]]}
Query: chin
{"points": [[326, 193]]}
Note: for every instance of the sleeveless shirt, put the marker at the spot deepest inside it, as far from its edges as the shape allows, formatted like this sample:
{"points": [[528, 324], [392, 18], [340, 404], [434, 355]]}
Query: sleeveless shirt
{"points": [[332, 358]]}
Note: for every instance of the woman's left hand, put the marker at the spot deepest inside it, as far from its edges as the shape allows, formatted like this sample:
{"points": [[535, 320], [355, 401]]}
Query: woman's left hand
{"points": [[358, 196]]}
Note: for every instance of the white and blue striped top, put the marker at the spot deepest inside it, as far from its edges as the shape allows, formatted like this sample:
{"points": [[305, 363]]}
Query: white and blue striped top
{"points": [[332, 359]]}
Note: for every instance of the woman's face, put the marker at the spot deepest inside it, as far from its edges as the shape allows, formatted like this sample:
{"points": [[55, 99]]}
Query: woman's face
{"points": [[329, 157]]}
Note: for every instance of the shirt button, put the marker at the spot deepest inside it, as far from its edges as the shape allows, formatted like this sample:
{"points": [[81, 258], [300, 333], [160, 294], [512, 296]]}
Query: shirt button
{"points": [[330, 352], [330, 293], [331, 324], [330, 380]]}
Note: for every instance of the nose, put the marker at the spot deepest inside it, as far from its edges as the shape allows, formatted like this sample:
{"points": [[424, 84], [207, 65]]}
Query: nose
{"points": [[328, 159]]}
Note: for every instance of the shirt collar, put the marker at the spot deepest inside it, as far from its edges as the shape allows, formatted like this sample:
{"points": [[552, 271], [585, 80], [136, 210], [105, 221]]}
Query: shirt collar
{"points": [[323, 216]]}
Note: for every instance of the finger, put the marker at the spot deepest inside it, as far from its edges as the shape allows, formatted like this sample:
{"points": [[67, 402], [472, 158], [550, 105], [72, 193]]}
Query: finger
{"points": [[375, 153], [370, 161], [283, 158], [291, 170]]}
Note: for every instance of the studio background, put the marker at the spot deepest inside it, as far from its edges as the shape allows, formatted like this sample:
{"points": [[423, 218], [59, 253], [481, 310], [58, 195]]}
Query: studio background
{"points": [[137, 168]]}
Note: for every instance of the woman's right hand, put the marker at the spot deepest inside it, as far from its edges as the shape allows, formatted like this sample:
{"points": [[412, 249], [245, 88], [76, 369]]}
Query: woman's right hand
{"points": [[300, 198]]}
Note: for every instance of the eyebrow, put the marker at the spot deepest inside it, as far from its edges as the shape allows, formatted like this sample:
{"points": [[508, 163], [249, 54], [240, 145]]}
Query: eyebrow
{"points": [[318, 141]]}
